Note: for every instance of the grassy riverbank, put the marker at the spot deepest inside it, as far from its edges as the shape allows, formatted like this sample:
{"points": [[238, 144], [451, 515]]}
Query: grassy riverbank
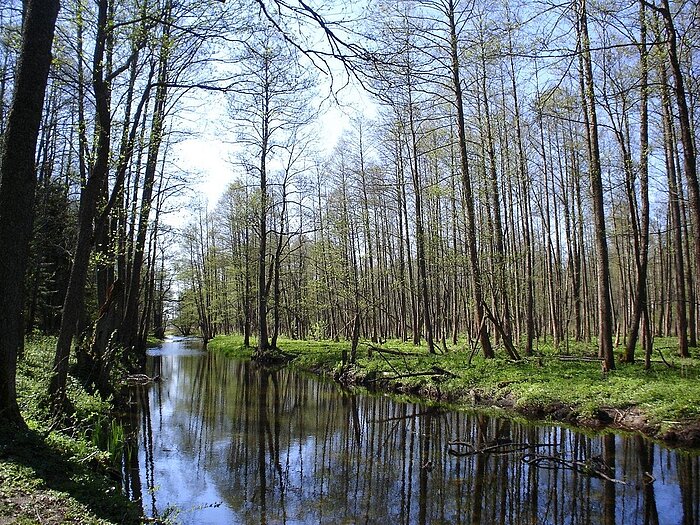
{"points": [[53, 476], [661, 402]]}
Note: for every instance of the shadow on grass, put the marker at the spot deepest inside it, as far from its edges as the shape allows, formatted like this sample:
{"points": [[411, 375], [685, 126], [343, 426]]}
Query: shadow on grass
{"points": [[53, 470]]}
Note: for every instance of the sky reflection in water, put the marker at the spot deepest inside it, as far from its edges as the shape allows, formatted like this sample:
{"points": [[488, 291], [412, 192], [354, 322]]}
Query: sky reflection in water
{"points": [[223, 441]]}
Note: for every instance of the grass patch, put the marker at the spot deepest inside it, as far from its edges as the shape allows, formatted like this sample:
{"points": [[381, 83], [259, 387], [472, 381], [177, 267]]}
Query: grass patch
{"points": [[231, 345], [153, 341], [66, 475]]}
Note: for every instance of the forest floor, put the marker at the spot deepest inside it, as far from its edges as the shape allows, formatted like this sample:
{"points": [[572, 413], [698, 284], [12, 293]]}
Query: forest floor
{"points": [[56, 476], [561, 386]]}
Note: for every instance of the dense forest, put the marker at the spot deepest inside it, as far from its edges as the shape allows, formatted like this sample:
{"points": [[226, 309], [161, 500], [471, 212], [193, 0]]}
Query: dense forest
{"points": [[526, 174]]}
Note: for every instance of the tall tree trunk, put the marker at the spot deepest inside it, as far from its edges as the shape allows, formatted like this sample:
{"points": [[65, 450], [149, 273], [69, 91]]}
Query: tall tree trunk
{"points": [[500, 294], [277, 262], [686, 129], [479, 313], [605, 345], [129, 326], [73, 302], [263, 342], [420, 235], [525, 213], [674, 211], [402, 314], [17, 187], [640, 312]]}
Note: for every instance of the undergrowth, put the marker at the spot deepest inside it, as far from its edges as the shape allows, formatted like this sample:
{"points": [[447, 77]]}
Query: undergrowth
{"points": [[60, 473]]}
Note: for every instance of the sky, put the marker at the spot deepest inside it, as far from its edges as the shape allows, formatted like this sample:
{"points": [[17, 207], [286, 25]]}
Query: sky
{"points": [[205, 154]]}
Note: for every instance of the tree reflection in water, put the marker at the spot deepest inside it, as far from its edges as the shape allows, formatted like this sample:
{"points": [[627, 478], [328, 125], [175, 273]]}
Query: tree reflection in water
{"points": [[225, 441]]}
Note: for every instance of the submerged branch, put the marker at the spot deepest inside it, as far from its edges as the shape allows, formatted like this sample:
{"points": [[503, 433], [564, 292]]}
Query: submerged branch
{"points": [[592, 467]]}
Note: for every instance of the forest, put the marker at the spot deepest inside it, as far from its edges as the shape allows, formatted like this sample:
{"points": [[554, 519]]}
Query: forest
{"points": [[509, 176], [529, 178], [487, 205]]}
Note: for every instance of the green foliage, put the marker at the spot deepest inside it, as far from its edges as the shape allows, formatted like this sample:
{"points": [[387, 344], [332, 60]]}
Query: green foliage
{"points": [[53, 238], [60, 475]]}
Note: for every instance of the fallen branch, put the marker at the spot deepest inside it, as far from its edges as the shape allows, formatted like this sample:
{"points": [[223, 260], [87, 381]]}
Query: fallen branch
{"points": [[664, 359], [582, 467], [474, 343], [505, 337], [580, 358], [428, 412], [395, 352], [413, 374], [140, 379], [494, 449], [388, 363]]}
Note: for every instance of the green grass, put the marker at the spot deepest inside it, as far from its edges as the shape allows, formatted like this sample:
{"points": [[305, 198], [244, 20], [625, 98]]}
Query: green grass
{"points": [[666, 397], [65, 475], [231, 345], [152, 340]]}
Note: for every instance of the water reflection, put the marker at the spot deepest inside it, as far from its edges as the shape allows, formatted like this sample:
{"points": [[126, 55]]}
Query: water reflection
{"points": [[223, 441]]}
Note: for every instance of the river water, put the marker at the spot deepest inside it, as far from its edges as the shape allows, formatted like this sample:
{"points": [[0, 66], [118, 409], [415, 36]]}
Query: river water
{"points": [[221, 441]]}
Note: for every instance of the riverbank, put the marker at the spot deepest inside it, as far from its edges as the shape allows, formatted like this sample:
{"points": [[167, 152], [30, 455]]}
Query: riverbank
{"points": [[661, 403], [63, 475]]}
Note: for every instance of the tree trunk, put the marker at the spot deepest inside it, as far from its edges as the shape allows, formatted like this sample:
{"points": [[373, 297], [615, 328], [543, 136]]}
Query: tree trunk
{"points": [[420, 237], [17, 186], [129, 326], [686, 130], [483, 334], [263, 342], [674, 211], [605, 321], [640, 307], [525, 213], [73, 302]]}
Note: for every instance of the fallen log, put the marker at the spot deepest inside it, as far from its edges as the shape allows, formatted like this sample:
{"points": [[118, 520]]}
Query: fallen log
{"points": [[140, 379], [412, 374], [494, 448], [395, 352]]}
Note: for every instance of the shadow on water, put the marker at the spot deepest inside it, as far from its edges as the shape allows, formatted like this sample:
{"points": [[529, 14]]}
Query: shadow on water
{"points": [[225, 441]]}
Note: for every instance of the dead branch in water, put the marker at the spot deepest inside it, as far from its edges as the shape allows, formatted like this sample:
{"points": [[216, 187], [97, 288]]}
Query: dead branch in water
{"points": [[592, 467], [494, 449]]}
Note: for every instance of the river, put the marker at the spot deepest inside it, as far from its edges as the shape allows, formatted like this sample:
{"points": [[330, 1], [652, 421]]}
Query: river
{"points": [[221, 441]]}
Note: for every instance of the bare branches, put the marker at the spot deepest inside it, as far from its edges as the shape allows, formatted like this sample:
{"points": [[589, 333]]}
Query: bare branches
{"points": [[334, 46]]}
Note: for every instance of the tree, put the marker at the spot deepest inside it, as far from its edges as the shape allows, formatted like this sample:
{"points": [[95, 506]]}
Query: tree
{"points": [[271, 105], [17, 187], [641, 241], [686, 132], [605, 344]]}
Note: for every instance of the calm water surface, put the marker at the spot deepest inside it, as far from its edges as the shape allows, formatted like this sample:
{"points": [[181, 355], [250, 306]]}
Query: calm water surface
{"points": [[224, 441]]}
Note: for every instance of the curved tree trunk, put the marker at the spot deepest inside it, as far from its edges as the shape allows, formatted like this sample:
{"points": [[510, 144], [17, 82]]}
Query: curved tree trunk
{"points": [[73, 302]]}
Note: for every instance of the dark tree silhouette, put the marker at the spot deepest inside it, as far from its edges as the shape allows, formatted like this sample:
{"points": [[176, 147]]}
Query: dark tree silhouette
{"points": [[17, 185]]}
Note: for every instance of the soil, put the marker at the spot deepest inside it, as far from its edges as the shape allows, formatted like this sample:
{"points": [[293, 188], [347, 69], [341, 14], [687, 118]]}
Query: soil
{"points": [[42, 506]]}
